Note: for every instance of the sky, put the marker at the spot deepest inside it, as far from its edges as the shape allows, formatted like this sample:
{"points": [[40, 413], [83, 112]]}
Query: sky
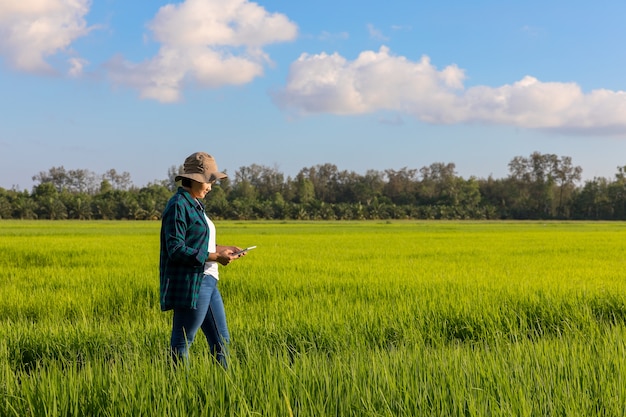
{"points": [[137, 86]]}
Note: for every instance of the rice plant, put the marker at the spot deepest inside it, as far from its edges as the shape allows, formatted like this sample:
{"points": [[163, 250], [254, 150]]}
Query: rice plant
{"points": [[327, 318]]}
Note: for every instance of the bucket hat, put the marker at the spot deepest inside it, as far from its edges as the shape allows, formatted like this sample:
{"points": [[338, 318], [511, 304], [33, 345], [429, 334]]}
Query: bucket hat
{"points": [[201, 167]]}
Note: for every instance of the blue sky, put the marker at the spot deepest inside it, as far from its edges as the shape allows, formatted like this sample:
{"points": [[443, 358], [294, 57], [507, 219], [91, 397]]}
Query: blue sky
{"points": [[136, 86]]}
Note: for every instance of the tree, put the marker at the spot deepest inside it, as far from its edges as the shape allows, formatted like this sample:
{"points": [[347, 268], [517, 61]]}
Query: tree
{"points": [[152, 200], [592, 202], [57, 176], [538, 186], [400, 186], [49, 205], [437, 184], [6, 207], [535, 179], [172, 172], [243, 190], [216, 202], [369, 187], [617, 194], [266, 181], [118, 181], [305, 190], [24, 207], [566, 176], [78, 205], [323, 177], [77, 180], [498, 196]]}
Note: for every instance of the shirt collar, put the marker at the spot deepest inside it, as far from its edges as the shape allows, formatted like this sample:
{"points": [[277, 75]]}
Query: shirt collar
{"points": [[194, 201]]}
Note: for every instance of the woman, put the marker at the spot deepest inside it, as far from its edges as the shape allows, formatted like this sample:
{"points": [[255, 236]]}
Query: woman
{"points": [[189, 262]]}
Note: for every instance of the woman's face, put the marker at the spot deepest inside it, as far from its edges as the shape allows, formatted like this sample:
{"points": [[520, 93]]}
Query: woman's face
{"points": [[200, 189]]}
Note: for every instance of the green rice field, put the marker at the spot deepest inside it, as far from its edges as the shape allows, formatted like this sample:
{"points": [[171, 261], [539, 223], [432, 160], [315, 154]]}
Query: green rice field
{"points": [[326, 319]]}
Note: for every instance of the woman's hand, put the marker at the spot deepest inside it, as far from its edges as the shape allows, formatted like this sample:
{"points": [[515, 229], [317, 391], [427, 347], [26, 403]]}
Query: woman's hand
{"points": [[225, 254]]}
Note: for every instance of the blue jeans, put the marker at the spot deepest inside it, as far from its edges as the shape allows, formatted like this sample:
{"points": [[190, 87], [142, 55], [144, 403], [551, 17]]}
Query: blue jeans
{"points": [[208, 316]]}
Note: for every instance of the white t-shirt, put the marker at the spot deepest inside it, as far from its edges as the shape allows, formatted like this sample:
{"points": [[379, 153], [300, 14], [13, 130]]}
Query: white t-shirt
{"points": [[210, 268]]}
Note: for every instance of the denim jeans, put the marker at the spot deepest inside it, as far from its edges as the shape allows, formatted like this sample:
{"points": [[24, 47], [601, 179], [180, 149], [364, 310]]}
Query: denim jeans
{"points": [[208, 316]]}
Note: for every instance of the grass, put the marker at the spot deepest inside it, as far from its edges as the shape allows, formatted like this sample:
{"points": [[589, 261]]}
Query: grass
{"points": [[327, 318]]}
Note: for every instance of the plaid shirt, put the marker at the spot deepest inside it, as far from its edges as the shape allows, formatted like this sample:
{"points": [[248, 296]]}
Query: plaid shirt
{"points": [[184, 248]]}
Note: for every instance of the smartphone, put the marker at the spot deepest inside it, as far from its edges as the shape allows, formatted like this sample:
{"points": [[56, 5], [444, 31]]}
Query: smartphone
{"points": [[244, 250]]}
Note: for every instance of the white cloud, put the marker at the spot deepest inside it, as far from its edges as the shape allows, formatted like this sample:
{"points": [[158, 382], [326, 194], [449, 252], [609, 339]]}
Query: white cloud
{"points": [[207, 42], [402, 28], [326, 36], [376, 34], [32, 30], [377, 81], [76, 66], [374, 81]]}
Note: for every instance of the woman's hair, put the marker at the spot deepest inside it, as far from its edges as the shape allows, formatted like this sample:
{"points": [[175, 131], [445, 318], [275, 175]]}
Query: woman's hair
{"points": [[186, 182]]}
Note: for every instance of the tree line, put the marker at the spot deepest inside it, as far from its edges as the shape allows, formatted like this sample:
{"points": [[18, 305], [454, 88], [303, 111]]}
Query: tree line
{"points": [[540, 186]]}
